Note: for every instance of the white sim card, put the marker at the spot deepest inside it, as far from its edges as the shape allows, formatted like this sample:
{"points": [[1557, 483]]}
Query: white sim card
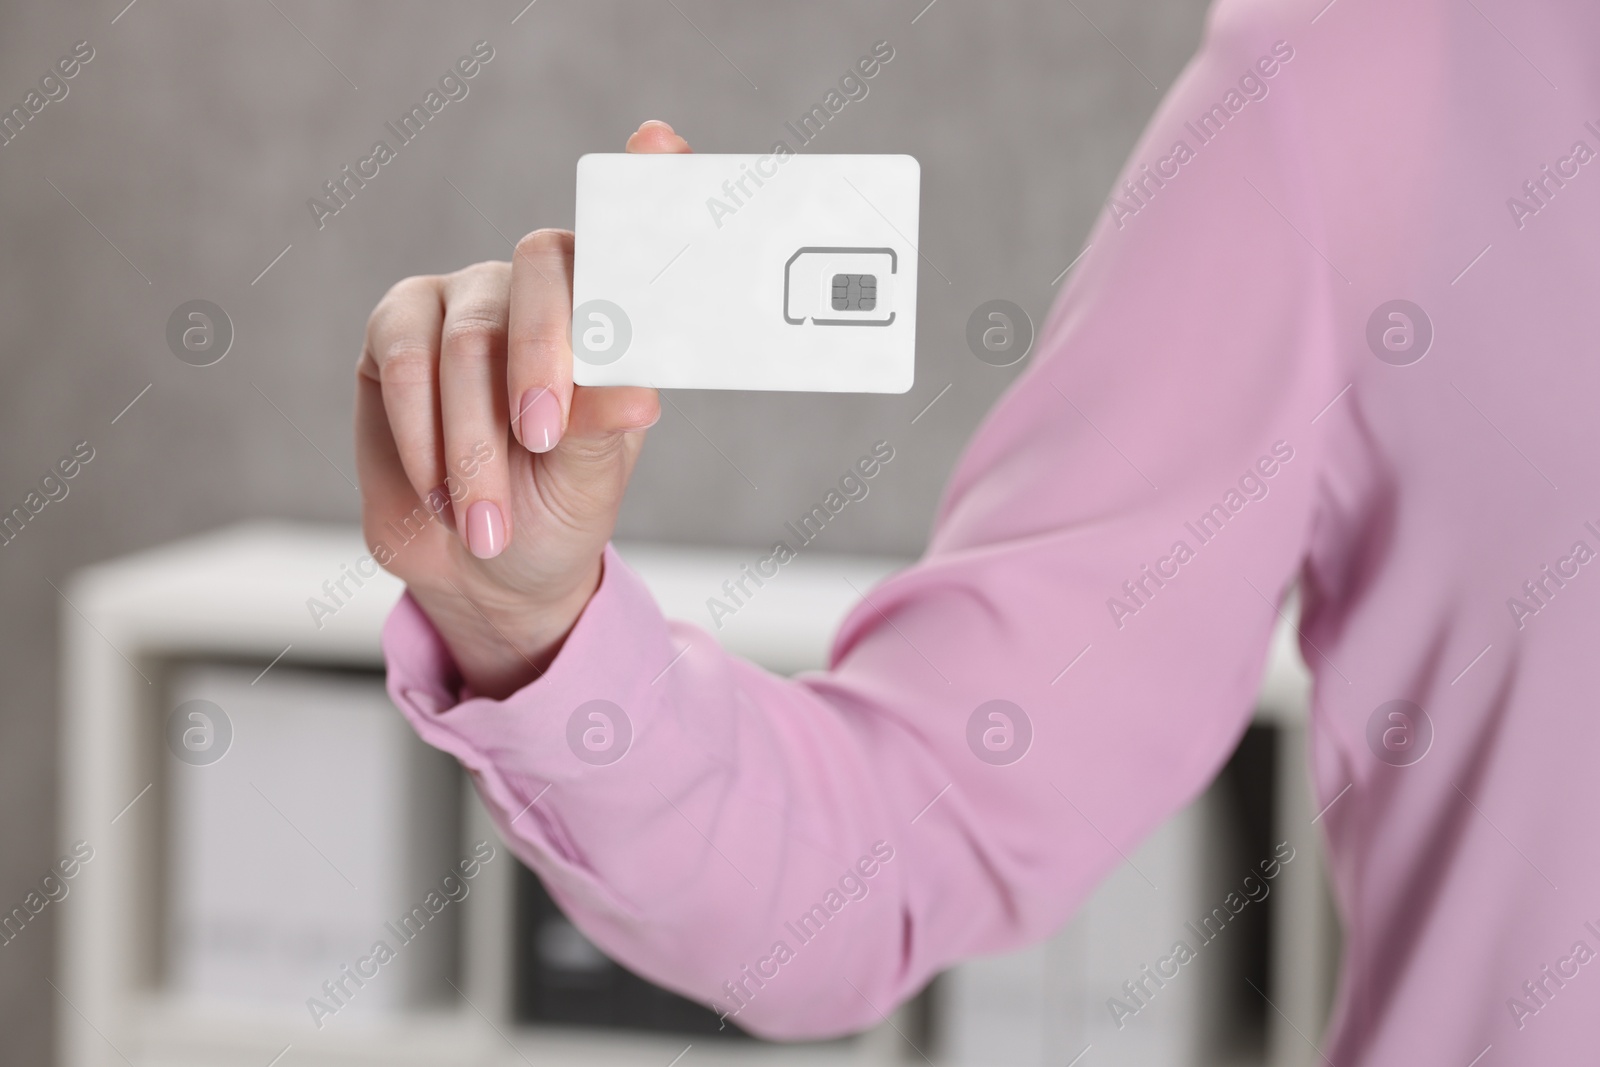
{"points": [[776, 271]]}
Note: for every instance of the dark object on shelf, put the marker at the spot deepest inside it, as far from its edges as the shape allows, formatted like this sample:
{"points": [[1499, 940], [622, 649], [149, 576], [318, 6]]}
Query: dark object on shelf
{"points": [[1246, 790], [563, 979]]}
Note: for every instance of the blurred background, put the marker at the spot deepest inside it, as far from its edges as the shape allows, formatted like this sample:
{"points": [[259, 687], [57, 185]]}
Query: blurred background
{"points": [[178, 167]]}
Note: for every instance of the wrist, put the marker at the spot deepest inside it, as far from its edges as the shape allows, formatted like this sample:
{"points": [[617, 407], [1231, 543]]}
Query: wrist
{"points": [[502, 643]]}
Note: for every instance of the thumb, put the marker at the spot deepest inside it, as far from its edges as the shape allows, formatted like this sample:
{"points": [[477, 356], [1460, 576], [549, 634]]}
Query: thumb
{"points": [[601, 413], [656, 136]]}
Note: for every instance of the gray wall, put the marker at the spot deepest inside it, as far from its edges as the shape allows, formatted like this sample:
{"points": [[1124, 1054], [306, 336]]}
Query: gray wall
{"points": [[193, 138]]}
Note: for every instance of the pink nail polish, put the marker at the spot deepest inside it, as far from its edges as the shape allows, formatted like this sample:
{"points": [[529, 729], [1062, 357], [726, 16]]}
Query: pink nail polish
{"points": [[539, 420], [486, 530]]}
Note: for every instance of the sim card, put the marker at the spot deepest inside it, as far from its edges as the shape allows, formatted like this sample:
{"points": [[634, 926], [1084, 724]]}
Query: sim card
{"points": [[775, 271]]}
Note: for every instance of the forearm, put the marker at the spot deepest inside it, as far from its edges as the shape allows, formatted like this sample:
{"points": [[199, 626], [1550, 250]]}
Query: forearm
{"points": [[685, 847]]}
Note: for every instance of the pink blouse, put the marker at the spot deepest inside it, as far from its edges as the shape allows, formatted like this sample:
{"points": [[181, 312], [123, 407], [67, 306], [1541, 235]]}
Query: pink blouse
{"points": [[1336, 325]]}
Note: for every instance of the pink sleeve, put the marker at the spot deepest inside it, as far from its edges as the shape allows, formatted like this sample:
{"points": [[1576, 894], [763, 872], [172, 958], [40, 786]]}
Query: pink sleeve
{"points": [[1107, 560]]}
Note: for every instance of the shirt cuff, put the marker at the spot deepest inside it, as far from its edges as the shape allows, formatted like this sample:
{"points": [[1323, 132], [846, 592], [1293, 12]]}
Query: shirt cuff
{"points": [[517, 748]]}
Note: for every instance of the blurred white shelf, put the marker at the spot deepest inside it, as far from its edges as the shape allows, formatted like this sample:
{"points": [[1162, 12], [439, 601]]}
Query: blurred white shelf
{"points": [[244, 588], [240, 594]]}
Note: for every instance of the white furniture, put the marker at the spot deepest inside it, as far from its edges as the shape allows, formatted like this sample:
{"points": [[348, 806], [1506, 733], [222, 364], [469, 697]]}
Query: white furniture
{"points": [[240, 596], [326, 826]]}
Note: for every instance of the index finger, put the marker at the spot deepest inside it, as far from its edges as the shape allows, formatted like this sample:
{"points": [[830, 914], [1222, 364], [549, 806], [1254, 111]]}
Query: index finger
{"points": [[539, 332]]}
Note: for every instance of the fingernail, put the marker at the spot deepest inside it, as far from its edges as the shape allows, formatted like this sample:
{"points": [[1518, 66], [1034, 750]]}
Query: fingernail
{"points": [[540, 420], [656, 122], [486, 530]]}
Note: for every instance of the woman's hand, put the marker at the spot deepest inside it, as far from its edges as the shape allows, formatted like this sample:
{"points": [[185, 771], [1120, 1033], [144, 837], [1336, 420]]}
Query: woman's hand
{"points": [[489, 483]]}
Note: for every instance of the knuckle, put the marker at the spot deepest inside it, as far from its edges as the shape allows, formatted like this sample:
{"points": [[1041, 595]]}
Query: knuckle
{"points": [[595, 450], [473, 336], [396, 311], [406, 291], [405, 360], [542, 347], [484, 270]]}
